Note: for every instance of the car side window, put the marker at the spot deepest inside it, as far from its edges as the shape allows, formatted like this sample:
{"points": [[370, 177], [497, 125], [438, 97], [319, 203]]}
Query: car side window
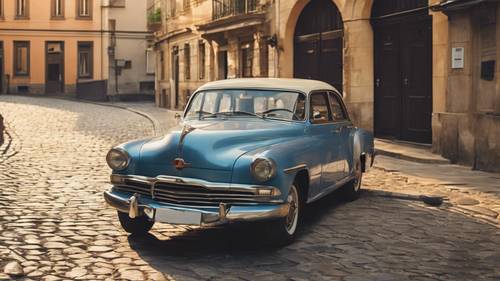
{"points": [[319, 111], [338, 112]]}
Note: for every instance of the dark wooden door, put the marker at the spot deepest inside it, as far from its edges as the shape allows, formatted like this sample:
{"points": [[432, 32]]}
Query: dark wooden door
{"points": [[387, 82], [318, 43], [222, 63], [54, 77], [416, 70], [403, 78], [307, 57]]}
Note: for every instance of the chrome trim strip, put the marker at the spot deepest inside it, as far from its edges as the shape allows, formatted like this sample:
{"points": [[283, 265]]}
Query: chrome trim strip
{"points": [[214, 186], [294, 169]]}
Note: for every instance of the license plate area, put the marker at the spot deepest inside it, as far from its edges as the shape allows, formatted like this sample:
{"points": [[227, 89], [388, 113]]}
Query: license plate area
{"points": [[177, 216]]}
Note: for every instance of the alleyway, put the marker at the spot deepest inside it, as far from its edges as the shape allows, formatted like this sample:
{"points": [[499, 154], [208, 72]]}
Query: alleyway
{"points": [[54, 221]]}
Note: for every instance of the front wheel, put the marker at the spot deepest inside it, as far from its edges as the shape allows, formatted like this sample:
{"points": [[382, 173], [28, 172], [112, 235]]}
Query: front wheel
{"points": [[352, 189], [283, 231], [136, 226]]}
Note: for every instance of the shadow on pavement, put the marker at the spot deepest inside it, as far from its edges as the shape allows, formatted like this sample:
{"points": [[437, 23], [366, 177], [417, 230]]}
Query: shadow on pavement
{"points": [[373, 238]]}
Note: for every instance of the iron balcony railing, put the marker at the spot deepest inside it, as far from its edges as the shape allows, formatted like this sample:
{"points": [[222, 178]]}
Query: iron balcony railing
{"points": [[228, 8]]}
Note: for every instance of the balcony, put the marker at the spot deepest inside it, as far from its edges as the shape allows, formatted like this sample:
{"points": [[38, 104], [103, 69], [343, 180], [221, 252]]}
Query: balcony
{"points": [[154, 18], [228, 8]]}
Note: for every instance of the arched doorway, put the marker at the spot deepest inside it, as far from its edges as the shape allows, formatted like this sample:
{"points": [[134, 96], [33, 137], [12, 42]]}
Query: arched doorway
{"points": [[318, 43], [403, 69]]}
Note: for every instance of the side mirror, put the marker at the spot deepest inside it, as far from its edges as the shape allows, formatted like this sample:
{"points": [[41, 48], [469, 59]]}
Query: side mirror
{"points": [[316, 115]]}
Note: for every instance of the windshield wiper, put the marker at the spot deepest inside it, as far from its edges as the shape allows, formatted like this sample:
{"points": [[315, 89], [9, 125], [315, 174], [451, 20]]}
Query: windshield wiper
{"points": [[212, 115], [232, 113]]}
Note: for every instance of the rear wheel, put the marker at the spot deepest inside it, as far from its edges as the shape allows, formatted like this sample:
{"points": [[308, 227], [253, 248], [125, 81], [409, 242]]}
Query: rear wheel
{"points": [[283, 231], [137, 226], [352, 189]]}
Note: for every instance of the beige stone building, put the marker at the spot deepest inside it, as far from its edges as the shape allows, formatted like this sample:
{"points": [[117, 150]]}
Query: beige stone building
{"points": [[66, 47], [391, 59], [466, 112]]}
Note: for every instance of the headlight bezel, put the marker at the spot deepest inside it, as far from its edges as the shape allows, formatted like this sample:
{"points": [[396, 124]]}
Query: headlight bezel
{"points": [[261, 160], [124, 153]]}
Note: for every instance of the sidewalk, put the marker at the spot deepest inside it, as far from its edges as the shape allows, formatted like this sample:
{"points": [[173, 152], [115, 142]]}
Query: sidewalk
{"points": [[456, 176]]}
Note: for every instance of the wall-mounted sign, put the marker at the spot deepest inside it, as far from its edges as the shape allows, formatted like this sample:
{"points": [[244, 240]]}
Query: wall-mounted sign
{"points": [[457, 57]]}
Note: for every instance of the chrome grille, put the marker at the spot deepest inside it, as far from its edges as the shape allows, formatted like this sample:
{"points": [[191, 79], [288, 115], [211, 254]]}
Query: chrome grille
{"points": [[190, 195]]}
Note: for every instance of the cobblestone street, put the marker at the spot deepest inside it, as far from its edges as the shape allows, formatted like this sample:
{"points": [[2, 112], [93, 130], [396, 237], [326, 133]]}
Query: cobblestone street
{"points": [[55, 224]]}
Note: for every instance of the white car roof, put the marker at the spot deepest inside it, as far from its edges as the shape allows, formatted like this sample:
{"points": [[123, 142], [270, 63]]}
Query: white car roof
{"points": [[302, 85]]}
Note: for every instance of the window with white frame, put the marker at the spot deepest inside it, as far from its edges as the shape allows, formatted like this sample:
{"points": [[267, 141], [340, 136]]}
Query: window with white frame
{"points": [[84, 8], [22, 8], [85, 59], [150, 61], [57, 8], [21, 58]]}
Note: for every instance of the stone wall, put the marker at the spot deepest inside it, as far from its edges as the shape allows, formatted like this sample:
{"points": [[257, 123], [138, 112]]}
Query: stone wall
{"points": [[466, 118]]}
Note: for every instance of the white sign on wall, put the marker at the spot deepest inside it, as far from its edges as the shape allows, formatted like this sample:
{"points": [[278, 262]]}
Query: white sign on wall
{"points": [[457, 57]]}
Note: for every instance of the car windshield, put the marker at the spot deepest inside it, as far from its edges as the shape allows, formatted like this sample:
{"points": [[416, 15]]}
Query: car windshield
{"points": [[247, 103]]}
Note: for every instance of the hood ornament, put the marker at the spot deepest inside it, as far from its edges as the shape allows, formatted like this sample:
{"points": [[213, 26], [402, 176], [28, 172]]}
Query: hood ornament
{"points": [[180, 164]]}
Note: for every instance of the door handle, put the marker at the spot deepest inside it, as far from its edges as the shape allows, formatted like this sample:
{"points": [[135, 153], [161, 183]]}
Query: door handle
{"points": [[337, 130]]}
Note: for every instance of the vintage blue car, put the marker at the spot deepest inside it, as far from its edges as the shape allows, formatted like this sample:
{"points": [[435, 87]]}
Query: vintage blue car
{"points": [[245, 150]]}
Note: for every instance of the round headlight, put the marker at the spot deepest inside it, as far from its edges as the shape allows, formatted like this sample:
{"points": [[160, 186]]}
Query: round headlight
{"points": [[263, 169], [117, 159]]}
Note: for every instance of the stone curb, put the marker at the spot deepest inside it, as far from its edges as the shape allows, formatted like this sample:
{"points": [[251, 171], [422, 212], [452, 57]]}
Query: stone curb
{"points": [[154, 122]]}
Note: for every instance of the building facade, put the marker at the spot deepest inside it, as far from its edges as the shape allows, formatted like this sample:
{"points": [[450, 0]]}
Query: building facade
{"points": [[466, 118], [391, 59], [129, 53], [63, 47], [49, 46]]}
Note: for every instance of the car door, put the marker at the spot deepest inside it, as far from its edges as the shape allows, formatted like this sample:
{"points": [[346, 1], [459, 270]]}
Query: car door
{"points": [[322, 127], [341, 134]]}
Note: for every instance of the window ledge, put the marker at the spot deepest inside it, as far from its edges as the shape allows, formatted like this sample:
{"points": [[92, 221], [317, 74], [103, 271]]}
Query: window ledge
{"points": [[83, 18]]}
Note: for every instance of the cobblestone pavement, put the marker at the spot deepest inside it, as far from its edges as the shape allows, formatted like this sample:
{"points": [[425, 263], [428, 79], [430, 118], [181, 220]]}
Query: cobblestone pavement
{"points": [[54, 222]]}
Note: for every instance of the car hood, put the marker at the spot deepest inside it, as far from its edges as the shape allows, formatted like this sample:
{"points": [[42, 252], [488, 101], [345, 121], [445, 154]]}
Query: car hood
{"points": [[210, 148]]}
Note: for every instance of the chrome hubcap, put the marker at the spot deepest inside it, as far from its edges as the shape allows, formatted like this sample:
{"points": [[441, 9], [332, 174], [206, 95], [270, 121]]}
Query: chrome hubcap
{"points": [[293, 212]]}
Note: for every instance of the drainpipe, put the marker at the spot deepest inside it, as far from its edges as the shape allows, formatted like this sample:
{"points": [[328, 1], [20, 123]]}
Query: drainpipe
{"points": [[102, 42]]}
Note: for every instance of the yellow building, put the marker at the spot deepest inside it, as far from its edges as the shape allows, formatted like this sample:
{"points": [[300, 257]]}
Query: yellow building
{"points": [[74, 47], [48, 46]]}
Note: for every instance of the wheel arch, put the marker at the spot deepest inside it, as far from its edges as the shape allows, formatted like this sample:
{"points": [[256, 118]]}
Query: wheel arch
{"points": [[302, 179]]}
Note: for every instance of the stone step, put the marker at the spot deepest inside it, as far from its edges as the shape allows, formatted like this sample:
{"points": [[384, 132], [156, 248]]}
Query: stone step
{"points": [[420, 153]]}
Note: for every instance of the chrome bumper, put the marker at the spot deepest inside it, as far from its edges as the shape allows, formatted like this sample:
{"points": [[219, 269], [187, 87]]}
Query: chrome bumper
{"points": [[135, 205]]}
